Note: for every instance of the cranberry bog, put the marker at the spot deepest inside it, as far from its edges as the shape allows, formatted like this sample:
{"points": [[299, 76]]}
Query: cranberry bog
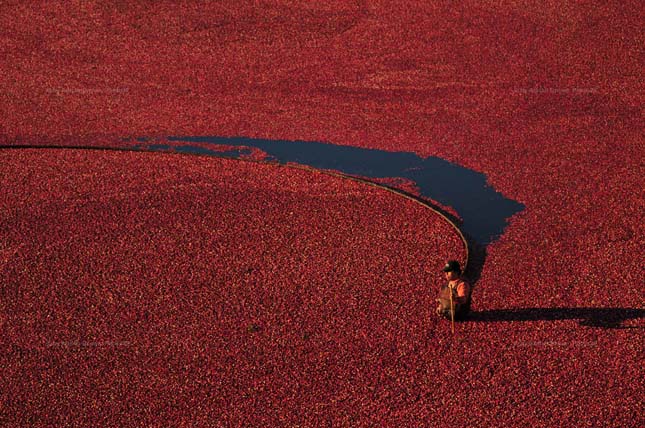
{"points": [[161, 289]]}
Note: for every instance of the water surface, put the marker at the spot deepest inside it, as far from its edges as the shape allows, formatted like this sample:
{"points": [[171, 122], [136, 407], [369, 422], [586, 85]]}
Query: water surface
{"points": [[484, 210]]}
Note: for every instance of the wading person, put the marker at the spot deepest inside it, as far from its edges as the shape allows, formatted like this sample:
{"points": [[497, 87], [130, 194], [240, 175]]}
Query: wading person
{"points": [[455, 294]]}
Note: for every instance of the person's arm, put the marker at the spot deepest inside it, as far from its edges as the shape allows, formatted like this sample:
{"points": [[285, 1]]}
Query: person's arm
{"points": [[443, 293], [463, 290]]}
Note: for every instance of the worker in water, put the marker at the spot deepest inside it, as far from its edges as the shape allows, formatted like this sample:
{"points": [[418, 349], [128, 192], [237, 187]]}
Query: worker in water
{"points": [[455, 294]]}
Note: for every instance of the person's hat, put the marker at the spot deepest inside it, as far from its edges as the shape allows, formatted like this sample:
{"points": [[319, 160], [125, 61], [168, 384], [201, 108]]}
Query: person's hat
{"points": [[452, 266]]}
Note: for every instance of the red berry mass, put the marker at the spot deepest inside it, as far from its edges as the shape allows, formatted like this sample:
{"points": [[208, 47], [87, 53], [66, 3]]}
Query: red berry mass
{"points": [[167, 289]]}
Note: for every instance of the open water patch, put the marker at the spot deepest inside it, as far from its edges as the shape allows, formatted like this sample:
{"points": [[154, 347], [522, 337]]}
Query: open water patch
{"points": [[484, 211]]}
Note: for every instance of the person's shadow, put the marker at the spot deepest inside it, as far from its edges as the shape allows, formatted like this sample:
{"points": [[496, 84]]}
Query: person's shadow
{"points": [[589, 317]]}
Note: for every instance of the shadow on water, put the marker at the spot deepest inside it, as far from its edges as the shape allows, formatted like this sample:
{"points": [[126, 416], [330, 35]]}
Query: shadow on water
{"points": [[589, 317], [484, 211]]}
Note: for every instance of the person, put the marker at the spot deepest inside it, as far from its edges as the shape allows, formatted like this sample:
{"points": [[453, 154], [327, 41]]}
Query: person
{"points": [[460, 290]]}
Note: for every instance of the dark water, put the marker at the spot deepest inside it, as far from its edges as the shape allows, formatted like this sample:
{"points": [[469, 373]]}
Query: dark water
{"points": [[484, 210]]}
